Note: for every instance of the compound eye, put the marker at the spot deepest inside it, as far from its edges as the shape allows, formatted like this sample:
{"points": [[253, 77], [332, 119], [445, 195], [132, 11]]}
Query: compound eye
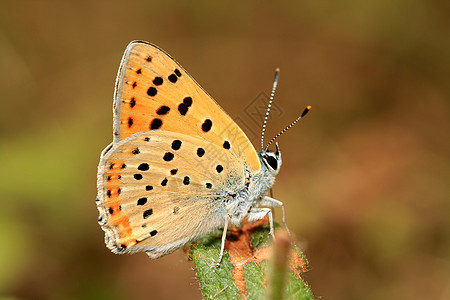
{"points": [[272, 161]]}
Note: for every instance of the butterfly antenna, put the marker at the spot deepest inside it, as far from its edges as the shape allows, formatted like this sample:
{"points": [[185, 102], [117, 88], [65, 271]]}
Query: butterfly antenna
{"points": [[307, 109], [275, 83]]}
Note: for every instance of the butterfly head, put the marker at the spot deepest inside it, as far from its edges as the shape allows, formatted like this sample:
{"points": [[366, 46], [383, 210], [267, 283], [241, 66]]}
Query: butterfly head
{"points": [[271, 160]]}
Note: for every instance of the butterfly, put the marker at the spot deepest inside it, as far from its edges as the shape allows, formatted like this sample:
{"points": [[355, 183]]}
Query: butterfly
{"points": [[178, 166]]}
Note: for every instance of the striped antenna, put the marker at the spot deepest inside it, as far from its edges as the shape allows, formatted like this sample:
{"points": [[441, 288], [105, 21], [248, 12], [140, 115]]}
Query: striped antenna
{"points": [[307, 109], [275, 83]]}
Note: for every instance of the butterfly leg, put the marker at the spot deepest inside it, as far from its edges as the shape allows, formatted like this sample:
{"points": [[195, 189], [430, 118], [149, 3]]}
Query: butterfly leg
{"points": [[270, 202], [224, 236], [258, 213]]}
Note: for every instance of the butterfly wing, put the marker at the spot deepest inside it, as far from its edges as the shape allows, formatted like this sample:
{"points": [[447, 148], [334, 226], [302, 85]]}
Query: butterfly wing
{"points": [[159, 189], [154, 92]]}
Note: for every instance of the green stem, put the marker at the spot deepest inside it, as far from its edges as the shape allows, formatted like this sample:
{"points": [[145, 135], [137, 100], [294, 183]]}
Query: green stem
{"points": [[279, 267]]}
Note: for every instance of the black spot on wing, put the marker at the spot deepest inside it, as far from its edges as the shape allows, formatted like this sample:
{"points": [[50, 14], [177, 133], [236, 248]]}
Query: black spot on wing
{"points": [[158, 81], [206, 126], [143, 167], [168, 156], [142, 201], [152, 91], [176, 144], [147, 213], [156, 124], [183, 109], [187, 101], [163, 110], [200, 152], [173, 78], [132, 102], [184, 106]]}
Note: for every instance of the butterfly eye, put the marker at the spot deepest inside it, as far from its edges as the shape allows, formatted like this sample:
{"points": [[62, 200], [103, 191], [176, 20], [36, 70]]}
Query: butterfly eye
{"points": [[272, 161]]}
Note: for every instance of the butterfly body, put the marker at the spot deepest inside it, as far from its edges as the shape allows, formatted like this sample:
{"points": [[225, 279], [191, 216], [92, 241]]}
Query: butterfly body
{"points": [[178, 166]]}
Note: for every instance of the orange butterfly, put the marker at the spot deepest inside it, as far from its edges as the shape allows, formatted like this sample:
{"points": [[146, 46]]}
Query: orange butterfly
{"points": [[179, 166]]}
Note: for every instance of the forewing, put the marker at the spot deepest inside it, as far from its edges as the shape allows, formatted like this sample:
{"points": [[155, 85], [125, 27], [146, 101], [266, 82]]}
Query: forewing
{"points": [[154, 92]]}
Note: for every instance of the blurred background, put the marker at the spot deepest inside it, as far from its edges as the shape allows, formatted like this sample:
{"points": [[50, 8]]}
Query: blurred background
{"points": [[365, 179]]}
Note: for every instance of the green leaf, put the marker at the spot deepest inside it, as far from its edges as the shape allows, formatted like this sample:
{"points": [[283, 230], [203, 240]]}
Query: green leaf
{"points": [[260, 237], [297, 289], [243, 270], [254, 280], [215, 282]]}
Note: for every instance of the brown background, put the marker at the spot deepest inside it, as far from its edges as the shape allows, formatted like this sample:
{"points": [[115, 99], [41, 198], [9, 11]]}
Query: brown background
{"points": [[365, 178]]}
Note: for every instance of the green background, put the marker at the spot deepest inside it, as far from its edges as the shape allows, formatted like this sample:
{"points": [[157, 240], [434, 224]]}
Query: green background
{"points": [[365, 179]]}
